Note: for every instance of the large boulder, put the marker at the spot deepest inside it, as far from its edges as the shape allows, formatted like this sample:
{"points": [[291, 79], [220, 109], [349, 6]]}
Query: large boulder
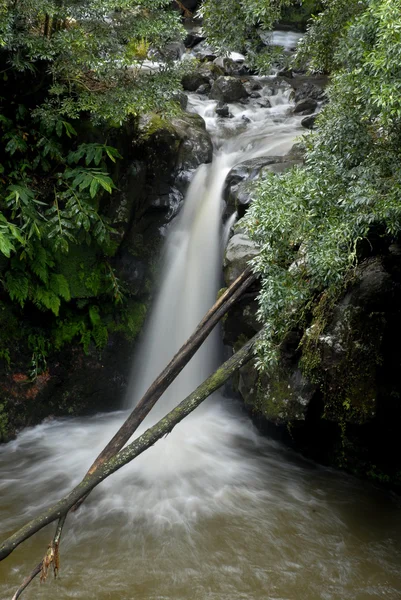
{"points": [[237, 190], [195, 145], [305, 107], [181, 142], [240, 250], [192, 81], [336, 388], [228, 89], [308, 89]]}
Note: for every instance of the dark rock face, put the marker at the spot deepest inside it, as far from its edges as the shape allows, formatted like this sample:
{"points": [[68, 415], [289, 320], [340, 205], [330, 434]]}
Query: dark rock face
{"points": [[337, 387], [74, 383], [193, 39], [228, 89], [190, 4]]}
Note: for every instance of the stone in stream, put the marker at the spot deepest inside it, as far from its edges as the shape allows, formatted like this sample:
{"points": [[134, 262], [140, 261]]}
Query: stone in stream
{"points": [[192, 81], [204, 89], [193, 39], [306, 106], [222, 110], [308, 90], [204, 52], [236, 191], [252, 86], [232, 68], [309, 122], [228, 89]]}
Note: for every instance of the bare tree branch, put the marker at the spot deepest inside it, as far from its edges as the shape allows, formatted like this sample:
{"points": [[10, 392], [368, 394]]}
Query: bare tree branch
{"points": [[145, 441]]}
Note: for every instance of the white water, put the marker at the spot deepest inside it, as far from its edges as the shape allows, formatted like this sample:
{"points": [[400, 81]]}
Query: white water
{"points": [[214, 511]]}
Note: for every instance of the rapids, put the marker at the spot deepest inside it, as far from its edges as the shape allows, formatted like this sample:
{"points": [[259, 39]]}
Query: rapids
{"points": [[214, 511]]}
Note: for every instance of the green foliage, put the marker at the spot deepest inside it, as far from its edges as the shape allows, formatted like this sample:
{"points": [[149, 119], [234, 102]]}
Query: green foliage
{"points": [[90, 54], [318, 48], [66, 66], [235, 25], [310, 221]]}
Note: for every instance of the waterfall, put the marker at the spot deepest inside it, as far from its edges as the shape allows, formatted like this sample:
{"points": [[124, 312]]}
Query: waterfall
{"points": [[192, 258], [189, 282], [214, 511]]}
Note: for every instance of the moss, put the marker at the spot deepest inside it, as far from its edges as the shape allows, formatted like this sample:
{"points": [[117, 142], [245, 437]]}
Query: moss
{"points": [[155, 125], [240, 342]]}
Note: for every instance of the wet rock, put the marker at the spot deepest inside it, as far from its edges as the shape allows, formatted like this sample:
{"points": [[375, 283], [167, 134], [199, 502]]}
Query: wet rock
{"points": [[309, 122], [167, 199], [239, 251], [252, 86], [288, 74], [247, 171], [282, 398], [232, 68], [195, 145], [297, 152], [173, 51], [237, 192], [264, 103], [228, 89], [182, 99], [309, 90], [193, 39], [192, 81], [255, 95], [306, 106], [204, 52], [222, 110], [204, 89]]}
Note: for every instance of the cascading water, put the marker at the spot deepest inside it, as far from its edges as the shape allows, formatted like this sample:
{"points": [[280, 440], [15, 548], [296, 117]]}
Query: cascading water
{"points": [[214, 511]]}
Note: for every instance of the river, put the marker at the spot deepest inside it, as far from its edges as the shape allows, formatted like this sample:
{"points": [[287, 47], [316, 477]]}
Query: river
{"points": [[215, 511]]}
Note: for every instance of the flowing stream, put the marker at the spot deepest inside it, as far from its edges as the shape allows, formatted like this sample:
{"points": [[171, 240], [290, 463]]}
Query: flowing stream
{"points": [[214, 511]]}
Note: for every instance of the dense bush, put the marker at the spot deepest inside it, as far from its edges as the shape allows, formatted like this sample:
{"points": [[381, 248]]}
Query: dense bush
{"points": [[71, 74], [310, 222]]}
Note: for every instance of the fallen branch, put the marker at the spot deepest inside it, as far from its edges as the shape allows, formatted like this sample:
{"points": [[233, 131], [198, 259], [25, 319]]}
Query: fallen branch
{"points": [[219, 309], [139, 445], [178, 362], [175, 366], [42, 567]]}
